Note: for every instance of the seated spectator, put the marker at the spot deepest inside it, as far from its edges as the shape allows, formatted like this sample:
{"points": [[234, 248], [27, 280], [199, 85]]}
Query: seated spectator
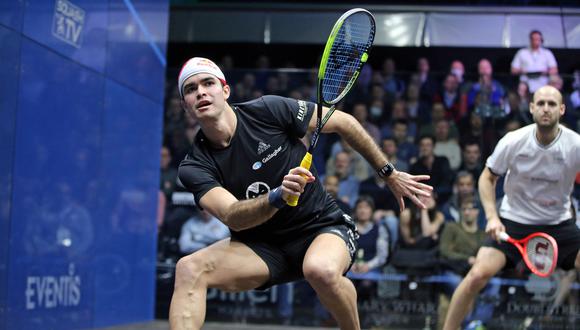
{"points": [[407, 150], [373, 246], [373, 240], [463, 189], [391, 82], [415, 106], [450, 97], [359, 167], [200, 231], [436, 166], [420, 228], [360, 113], [458, 247], [471, 159], [168, 175], [399, 112], [446, 146], [331, 186], [390, 148], [427, 126], [427, 83], [348, 184], [486, 96]]}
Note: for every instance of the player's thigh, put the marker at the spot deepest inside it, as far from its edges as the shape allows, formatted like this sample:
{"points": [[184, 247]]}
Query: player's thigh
{"points": [[327, 252], [232, 266], [488, 262]]}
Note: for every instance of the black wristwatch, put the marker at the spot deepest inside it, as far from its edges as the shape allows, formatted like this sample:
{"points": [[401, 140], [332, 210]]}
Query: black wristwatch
{"points": [[386, 171]]}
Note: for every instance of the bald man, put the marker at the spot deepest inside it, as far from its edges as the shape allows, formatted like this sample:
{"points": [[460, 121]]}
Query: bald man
{"points": [[540, 162]]}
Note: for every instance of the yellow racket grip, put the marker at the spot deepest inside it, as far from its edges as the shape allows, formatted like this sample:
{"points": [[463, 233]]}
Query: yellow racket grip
{"points": [[305, 163]]}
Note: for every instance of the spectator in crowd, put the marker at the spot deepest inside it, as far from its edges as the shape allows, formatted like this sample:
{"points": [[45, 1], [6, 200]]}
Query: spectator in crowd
{"points": [[373, 245], [407, 150], [441, 175], [391, 82], [348, 183], [437, 113], [358, 166], [519, 103], [390, 148], [463, 189], [471, 159], [458, 247], [168, 175], [331, 186], [378, 113], [535, 63], [450, 97], [474, 130], [421, 228], [399, 111], [485, 96], [360, 113], [201, 230], [572, 115], [457, 69], [427, 83], [446, 146], [416, 107]]}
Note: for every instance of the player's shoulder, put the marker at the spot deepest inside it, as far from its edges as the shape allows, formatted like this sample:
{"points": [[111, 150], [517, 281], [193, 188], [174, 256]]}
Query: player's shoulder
{"points": [[519, 134], [570, 136]]}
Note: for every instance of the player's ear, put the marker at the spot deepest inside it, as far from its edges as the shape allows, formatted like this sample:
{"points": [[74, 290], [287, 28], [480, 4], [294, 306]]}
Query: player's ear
{"points": [[227, 91]]}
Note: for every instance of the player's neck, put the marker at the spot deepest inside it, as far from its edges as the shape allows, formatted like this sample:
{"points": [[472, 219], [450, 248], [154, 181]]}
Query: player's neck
{"points": [[546, 135], [220, 130]]}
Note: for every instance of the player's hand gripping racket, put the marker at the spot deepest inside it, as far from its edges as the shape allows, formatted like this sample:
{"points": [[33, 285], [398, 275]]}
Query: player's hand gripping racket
{"points": [[539, 250], [345, 53]]}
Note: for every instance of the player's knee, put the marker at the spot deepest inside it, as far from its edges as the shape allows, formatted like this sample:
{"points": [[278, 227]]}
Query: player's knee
{"points": [[477, 278], [189, 270], [321, 274]]}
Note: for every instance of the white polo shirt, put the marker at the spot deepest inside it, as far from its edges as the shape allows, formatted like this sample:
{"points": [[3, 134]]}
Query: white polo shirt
{"points": [[534, 61], [539, 179]]}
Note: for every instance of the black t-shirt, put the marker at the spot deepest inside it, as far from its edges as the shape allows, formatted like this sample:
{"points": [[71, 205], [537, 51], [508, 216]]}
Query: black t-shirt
{"points": [[265, 146]]}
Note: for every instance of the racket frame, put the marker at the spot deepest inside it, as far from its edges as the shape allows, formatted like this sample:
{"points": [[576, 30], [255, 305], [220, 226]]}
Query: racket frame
{"points": [[521, 245]]}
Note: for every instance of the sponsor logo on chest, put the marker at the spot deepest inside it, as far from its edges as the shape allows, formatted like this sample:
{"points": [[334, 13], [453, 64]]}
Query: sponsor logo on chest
{"points": [[257, 165]]}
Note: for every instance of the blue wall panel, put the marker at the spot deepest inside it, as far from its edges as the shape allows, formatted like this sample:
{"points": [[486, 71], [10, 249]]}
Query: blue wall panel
{"points": [[76, 29], [11, 13], [57, 156], [79, 175], [9, 73], [137, 45], [127, 235]]}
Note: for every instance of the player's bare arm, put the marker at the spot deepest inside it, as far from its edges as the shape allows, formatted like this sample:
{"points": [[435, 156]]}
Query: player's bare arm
{"points": [[244, 214], [401, 184], [487, 183]]}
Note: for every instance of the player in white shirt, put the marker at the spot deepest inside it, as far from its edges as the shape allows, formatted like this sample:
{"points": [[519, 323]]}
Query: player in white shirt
{"points": [[540, 162], [534, 64]]}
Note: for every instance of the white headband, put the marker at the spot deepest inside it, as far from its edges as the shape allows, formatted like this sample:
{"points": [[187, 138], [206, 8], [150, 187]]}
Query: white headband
{"points": [[199, 65]]}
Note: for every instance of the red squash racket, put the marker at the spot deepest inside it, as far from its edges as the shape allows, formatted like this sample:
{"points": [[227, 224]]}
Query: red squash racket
{"points": [[539, 251]]}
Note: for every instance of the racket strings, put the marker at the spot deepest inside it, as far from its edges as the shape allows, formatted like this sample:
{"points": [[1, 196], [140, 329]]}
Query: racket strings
{"points": [[540, 252], [352, 40]]}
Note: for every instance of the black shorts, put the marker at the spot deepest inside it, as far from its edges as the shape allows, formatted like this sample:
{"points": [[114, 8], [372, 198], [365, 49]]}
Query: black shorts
{"points": [[566, 234], [284, 260]]}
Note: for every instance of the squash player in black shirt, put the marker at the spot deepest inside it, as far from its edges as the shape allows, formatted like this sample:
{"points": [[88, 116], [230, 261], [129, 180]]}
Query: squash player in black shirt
{"points": [[242, 168]]}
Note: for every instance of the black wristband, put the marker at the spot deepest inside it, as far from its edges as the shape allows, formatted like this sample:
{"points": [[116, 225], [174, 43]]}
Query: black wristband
{"points": [[386, 171], [275, 198]]}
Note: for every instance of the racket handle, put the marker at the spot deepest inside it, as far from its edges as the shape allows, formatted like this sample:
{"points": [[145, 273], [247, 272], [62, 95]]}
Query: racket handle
{"points": [[504, 236], [305, 163]]}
